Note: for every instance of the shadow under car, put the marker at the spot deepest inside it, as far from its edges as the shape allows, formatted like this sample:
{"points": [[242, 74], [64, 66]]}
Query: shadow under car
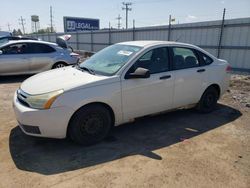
{"points": [[52, 156]]}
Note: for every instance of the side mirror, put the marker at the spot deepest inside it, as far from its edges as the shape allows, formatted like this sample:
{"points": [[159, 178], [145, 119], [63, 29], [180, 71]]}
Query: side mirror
{"points": [[1, 52], [139, 73]]}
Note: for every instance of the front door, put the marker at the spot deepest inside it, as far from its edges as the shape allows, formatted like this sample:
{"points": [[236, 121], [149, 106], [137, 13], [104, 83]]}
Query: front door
{"points": [[13, 59], [143, 96]]}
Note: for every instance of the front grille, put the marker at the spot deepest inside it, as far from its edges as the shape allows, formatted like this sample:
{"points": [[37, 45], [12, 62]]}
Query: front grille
{"points": [[31, 129], [23, 102], [21, 96]]}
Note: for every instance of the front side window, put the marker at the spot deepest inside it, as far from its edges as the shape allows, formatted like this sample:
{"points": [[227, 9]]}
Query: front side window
{"points": [[155, 61], [109, 60], [19, 48], [184, 58]]}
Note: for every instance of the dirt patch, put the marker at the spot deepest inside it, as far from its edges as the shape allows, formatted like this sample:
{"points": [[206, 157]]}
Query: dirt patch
{"points": [[177, 149]]}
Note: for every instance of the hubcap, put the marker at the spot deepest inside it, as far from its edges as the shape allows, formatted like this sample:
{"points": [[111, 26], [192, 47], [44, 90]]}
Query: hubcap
{"points": [[92, 124], [60, 65], [209, 100]]}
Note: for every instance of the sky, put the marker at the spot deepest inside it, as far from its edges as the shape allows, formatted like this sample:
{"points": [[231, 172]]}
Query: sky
{"points": [[144, 12]]}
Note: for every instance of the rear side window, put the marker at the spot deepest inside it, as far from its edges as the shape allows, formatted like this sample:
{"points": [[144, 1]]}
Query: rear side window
{"points": [[184, 58], [40, 48], [206, 60]]}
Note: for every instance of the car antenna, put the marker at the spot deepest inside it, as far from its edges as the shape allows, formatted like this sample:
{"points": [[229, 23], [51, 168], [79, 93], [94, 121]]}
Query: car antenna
{"points": [[178, 38]]}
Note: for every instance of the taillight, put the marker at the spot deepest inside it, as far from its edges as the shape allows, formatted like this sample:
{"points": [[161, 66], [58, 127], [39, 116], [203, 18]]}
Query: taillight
{"points": [[77, 56], [228, 69]]}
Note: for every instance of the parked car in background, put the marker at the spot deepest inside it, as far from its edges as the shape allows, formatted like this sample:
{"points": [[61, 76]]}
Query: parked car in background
{"points": [[5, 33], [33, 56], [116, 85], [6, 39]]}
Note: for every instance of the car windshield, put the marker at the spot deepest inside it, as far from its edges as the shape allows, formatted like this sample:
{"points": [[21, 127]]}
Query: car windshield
{"points": [[109, 60]]}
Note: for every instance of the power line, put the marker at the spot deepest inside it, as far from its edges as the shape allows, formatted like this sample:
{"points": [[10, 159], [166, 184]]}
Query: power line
{"points": [[22, 23], [119, 21], [127, 8]]}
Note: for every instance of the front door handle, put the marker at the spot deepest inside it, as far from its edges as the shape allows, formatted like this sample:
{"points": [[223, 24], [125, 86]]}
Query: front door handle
{"points": [[201, 70], [165, 77]]}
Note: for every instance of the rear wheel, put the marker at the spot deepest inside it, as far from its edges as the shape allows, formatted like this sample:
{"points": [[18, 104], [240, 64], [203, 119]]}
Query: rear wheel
{"points": [[90, 124], [208, 100], [59, 65]]}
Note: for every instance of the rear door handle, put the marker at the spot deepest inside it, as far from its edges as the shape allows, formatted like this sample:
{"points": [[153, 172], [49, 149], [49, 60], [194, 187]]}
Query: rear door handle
{"points": [[165, 77], [201, 70]]}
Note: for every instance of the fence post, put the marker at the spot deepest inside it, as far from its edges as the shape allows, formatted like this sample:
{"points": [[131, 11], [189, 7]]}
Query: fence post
{"points": [[169, 27], [77, 40], [91, 37], [109, 33], [221, 33], [56, 35], [48, 37], [133, 29]]}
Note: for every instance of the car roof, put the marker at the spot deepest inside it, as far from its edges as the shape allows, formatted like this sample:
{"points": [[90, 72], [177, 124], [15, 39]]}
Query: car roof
{"points": [[152, 43], [18, 38], [29, 41], [148, 43]]}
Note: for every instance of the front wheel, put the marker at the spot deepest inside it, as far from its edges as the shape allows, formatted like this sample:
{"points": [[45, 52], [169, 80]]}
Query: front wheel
{"points": [[90, 124], [208, 100]]}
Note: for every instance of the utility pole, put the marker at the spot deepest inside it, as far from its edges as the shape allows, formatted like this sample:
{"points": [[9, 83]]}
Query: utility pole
{"points": [[221, 33], [127, 8], [9, 27], [51, 20], [169, 27], [119, 21], [22, 23]]}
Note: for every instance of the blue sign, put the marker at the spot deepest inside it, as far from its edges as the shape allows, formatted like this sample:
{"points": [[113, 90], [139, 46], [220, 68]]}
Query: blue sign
{"points": [[73, 24]]}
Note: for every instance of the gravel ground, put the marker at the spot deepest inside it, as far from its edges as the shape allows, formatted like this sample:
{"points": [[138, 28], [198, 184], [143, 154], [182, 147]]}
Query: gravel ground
{"points": [[177, 149]]}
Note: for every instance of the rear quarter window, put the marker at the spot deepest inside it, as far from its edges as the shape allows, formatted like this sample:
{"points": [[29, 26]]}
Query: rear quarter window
{"points": [[205, 59]]}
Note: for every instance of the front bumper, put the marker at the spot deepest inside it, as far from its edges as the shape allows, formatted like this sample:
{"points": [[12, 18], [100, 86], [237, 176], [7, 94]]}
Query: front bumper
{"points": [[51, 123]]}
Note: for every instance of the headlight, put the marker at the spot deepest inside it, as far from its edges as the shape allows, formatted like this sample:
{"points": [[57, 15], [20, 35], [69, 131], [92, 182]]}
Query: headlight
{"points": [[43, 101]]}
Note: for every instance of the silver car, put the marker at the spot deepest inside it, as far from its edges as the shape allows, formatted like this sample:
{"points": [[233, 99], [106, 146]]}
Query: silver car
{"points": [[30, 57]]}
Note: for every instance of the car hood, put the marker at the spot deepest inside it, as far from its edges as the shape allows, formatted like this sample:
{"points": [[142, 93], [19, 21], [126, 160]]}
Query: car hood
{"points": [[64, 78]]}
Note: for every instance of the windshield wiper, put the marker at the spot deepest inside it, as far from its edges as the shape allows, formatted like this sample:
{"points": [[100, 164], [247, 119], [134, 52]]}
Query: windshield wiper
{"points": [[86, 69]]}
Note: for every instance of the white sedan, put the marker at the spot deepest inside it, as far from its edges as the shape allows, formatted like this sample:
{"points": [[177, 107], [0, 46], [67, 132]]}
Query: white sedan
{"points": [[116, 85]]}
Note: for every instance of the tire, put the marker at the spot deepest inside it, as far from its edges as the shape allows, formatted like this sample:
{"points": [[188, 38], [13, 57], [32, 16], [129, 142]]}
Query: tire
{"points": [[59, 65], [90, 124], [208, 100]]}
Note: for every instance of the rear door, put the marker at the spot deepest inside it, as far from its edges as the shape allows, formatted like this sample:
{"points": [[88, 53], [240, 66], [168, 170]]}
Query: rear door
{"points": [[40, 57], [189, 76], [13, 59]]}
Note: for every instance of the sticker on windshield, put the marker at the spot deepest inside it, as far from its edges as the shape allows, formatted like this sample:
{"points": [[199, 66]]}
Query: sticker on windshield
{"points": [[123, 52]]}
